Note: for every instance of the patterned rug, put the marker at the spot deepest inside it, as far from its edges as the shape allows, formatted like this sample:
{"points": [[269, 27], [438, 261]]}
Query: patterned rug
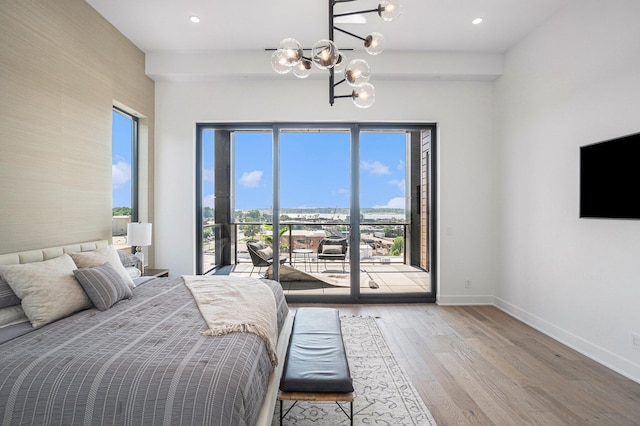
{"points": [[383, 393]]}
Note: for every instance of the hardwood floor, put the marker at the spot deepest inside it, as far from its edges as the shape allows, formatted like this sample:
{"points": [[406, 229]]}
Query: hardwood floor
{"points": [[478, 365]]}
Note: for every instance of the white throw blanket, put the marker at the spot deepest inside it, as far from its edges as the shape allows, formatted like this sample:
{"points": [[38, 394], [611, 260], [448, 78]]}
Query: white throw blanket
{"points": [[236, 305]]}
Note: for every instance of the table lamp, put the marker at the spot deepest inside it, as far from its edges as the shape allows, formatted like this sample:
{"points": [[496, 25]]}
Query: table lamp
{"points": [[139, 235]]}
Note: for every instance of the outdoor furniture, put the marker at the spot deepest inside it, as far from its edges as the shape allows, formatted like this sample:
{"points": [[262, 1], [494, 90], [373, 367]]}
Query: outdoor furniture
{"points": [[333, 248], [306, 257], [261, 255]]}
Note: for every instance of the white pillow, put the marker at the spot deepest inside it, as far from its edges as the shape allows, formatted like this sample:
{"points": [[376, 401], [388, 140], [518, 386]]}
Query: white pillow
{"points": [[48, 290], [331, 249], [266, 253], [97, 257], [133, 271]]}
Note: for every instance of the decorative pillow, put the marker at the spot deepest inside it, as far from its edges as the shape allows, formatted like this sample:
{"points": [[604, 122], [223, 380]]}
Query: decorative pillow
{"points": [[266, 253], [127, 259], [12, 315], [104, 286], [48, 290], [133, 271], [257, 245], [7, 296], [331, 249], [97, 257]]}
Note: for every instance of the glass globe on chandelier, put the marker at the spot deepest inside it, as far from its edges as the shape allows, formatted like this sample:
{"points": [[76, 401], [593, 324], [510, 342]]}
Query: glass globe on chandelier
{"points": [[290, 57]]}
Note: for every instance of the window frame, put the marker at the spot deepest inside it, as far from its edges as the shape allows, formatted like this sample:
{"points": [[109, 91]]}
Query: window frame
{"points": [[134, 160]]}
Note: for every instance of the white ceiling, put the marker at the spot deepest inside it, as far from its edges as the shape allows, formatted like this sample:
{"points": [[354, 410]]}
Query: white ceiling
{"points": [[425, 25]]}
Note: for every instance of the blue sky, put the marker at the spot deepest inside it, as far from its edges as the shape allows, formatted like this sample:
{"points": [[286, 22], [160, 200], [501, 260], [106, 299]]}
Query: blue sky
{"points": [[314, 169], [121, 160]]}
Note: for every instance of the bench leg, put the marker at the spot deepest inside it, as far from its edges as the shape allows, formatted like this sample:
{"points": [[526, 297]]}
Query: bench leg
{"points": [[350, 414], [282, 413]]}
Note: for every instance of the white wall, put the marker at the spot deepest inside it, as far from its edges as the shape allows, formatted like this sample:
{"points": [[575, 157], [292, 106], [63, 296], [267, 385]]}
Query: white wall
{"points": [[462, 110], [573, 82]]}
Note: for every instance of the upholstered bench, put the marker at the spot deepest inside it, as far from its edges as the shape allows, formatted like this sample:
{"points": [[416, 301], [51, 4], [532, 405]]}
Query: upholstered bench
{"points": [[316, 367]]}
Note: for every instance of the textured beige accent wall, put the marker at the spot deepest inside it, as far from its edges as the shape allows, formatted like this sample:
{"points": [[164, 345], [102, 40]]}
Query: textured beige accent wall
{"points": [[62, 67]]}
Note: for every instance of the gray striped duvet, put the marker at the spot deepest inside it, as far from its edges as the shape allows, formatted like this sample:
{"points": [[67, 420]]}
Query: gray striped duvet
{"points": [[142, 362]]}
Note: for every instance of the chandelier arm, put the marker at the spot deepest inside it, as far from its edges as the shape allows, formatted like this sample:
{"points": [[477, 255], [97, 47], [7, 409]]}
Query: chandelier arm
{"points": [[341, 81], [331, 86], [357, 12], [348, 33], [343, 96]]}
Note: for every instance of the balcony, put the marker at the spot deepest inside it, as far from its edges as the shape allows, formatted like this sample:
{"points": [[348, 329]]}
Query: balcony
{"points": [[382, 257]]}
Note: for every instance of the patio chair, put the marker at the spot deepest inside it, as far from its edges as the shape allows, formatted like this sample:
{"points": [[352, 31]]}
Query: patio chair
{"points": [[261, 255], [333, 248]]}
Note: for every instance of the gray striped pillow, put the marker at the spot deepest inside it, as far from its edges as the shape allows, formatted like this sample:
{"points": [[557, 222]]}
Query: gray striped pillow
{"points": [[128, 259], [7, 296], [104, 285]]}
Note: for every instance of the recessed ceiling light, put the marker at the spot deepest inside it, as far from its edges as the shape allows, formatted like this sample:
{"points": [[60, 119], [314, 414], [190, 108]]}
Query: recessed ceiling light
{"points": [[194, 19], [477, 21]]}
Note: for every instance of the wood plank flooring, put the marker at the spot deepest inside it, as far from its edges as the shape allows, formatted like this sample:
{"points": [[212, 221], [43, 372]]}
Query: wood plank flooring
{"points": [[478, 365]]}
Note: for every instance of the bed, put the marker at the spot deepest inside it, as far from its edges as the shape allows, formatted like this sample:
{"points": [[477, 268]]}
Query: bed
{"points": [[143, 360]]}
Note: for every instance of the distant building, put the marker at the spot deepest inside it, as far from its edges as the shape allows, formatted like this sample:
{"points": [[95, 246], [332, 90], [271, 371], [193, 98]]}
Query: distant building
{"points": [[119, 225]]}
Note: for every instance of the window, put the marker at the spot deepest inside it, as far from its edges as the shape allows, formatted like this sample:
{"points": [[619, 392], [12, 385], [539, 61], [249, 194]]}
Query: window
{"points": [[124, 144]]}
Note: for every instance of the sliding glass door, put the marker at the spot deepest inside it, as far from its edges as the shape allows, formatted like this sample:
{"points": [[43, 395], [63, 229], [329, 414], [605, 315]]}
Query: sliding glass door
{"points": [[335, 213], [314, 211]]}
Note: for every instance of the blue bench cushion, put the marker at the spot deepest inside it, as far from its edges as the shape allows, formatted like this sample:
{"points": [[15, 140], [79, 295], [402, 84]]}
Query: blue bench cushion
{"points": [[316, 360]]}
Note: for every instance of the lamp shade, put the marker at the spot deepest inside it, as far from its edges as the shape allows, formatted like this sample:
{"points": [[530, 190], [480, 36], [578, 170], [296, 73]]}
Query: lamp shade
{"points": [[279, 62], [303, 69], [364, 96], [324, 54], [389, 10], [357, 72], [374, 43], [139, 234]]}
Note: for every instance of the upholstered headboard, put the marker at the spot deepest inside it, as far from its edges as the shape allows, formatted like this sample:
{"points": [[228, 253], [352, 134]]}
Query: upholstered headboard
{"points": [[40, 255]]}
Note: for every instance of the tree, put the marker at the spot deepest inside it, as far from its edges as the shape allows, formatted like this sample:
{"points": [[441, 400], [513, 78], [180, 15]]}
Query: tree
{"points": [[397, 248], [392, 231], [121, 211], [207, 233], [207, 212], [268, 238], [253, 216], [250, 230]]}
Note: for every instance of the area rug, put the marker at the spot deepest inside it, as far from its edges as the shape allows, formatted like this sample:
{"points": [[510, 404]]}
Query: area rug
{"points": [[307, 280], [384, 394]]}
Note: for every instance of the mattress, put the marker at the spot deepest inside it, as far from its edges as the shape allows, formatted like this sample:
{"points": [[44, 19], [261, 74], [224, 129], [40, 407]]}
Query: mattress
{"points": [[144, 361]]}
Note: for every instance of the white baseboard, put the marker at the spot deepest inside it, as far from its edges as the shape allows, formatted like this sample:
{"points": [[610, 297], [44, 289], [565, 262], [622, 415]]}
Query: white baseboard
{"points": [[608, 359], [479, 299]]}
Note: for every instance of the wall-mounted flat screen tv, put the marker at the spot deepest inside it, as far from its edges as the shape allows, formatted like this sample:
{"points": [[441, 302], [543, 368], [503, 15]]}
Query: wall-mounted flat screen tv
{"points": [[610, 179]]}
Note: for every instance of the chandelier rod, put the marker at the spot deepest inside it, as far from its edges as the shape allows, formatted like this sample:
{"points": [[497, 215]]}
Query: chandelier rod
{"points": [[351, 34], [357, 12], [332, 85]]}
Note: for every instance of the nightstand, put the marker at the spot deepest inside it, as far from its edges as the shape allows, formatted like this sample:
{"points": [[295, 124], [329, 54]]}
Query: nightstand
{"points": [[155, 272]]}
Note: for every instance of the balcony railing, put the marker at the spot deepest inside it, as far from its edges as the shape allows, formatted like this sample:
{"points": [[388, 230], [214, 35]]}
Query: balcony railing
{"points": [[377, 241]]}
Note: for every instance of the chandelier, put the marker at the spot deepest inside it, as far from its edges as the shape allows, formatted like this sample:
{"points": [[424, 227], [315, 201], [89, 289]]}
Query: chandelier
{"points": [[290, 56]]}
